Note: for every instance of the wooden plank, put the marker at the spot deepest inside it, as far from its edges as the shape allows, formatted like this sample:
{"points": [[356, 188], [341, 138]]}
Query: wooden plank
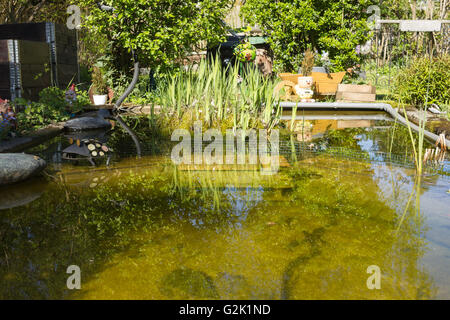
{"points": [[356, 88], [325, 77], [355, 96], [421, 25]]}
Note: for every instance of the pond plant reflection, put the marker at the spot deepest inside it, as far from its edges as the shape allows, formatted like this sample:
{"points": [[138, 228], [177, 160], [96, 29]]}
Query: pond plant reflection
{"points": [[308, 232]]}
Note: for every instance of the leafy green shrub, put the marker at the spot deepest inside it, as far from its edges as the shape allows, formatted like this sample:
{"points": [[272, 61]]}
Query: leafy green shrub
{"points": [[52, 107], [53, 97], [336, 27], [161, 32], [98, 82], [424, 76]]}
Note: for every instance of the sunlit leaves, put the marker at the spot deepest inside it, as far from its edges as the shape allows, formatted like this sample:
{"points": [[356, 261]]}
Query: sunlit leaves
{"points": [[160, 30], [332, 26]]}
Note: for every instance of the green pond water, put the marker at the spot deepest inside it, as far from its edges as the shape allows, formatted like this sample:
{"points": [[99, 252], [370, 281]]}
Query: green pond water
{"points": [[145, 229]]}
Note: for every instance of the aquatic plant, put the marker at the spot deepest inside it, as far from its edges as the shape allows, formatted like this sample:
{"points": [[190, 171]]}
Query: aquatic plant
{"points": [[418, 146], [219, 96]]}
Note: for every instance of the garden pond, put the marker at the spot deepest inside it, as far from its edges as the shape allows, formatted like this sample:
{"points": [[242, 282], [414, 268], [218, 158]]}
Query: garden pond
{"points": [[142, 228]]}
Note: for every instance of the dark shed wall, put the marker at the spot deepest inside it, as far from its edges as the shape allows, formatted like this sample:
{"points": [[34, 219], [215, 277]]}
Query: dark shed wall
{"points": [[43, 62]]}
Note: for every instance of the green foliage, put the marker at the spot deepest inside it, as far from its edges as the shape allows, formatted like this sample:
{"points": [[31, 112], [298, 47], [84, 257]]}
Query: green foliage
{"points": [[52, 107], [98, 81], [291, 25], [344, 138], [218, 97], [160, 31], [423, 78], [142, 94], [25, 11], [54, 97]]}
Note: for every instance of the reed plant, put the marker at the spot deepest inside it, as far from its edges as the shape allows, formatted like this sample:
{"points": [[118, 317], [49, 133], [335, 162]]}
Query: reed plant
{"points": [[220, 97], [418, 146]]}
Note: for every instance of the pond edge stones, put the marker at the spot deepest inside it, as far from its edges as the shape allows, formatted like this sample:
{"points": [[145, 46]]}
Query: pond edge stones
{"points": [[16, 167]]}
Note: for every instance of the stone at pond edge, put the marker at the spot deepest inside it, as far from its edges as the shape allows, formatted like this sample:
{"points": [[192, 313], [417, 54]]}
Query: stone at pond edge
{"points": [[89, 123], [16, 167]]}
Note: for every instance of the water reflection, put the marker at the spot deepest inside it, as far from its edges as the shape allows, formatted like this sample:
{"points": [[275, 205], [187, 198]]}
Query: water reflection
{"points": [[144, 229], [21, 194]]}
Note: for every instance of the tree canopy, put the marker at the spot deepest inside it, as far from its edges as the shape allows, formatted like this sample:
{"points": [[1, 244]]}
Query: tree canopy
{"points": [[161, 31], [21, 11], [326, 25]]}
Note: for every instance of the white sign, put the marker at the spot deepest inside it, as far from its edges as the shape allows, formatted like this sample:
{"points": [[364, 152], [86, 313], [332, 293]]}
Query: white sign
{"points": [[421, 25]]}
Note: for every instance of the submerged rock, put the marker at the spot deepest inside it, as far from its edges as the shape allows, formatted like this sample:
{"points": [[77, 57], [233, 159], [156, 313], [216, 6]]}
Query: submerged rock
{"points": [[190, 282], [16, 167], [89, 123]]}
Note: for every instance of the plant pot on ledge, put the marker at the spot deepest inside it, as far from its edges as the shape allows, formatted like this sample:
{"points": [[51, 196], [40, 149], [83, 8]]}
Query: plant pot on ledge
{"points": [[99, 92], [100, 99]]}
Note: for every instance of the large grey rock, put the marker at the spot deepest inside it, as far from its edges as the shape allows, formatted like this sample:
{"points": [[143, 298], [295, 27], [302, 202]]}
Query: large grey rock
{"points": [[89, 123], [15, 167]]}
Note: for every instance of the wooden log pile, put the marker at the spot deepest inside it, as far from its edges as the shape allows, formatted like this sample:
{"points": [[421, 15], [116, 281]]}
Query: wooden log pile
{"points": [[87, 149], [97, 149]]}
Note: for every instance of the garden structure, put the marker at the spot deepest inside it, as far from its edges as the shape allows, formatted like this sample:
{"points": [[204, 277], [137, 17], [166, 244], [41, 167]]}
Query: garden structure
{"points": [[34, 56]]}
